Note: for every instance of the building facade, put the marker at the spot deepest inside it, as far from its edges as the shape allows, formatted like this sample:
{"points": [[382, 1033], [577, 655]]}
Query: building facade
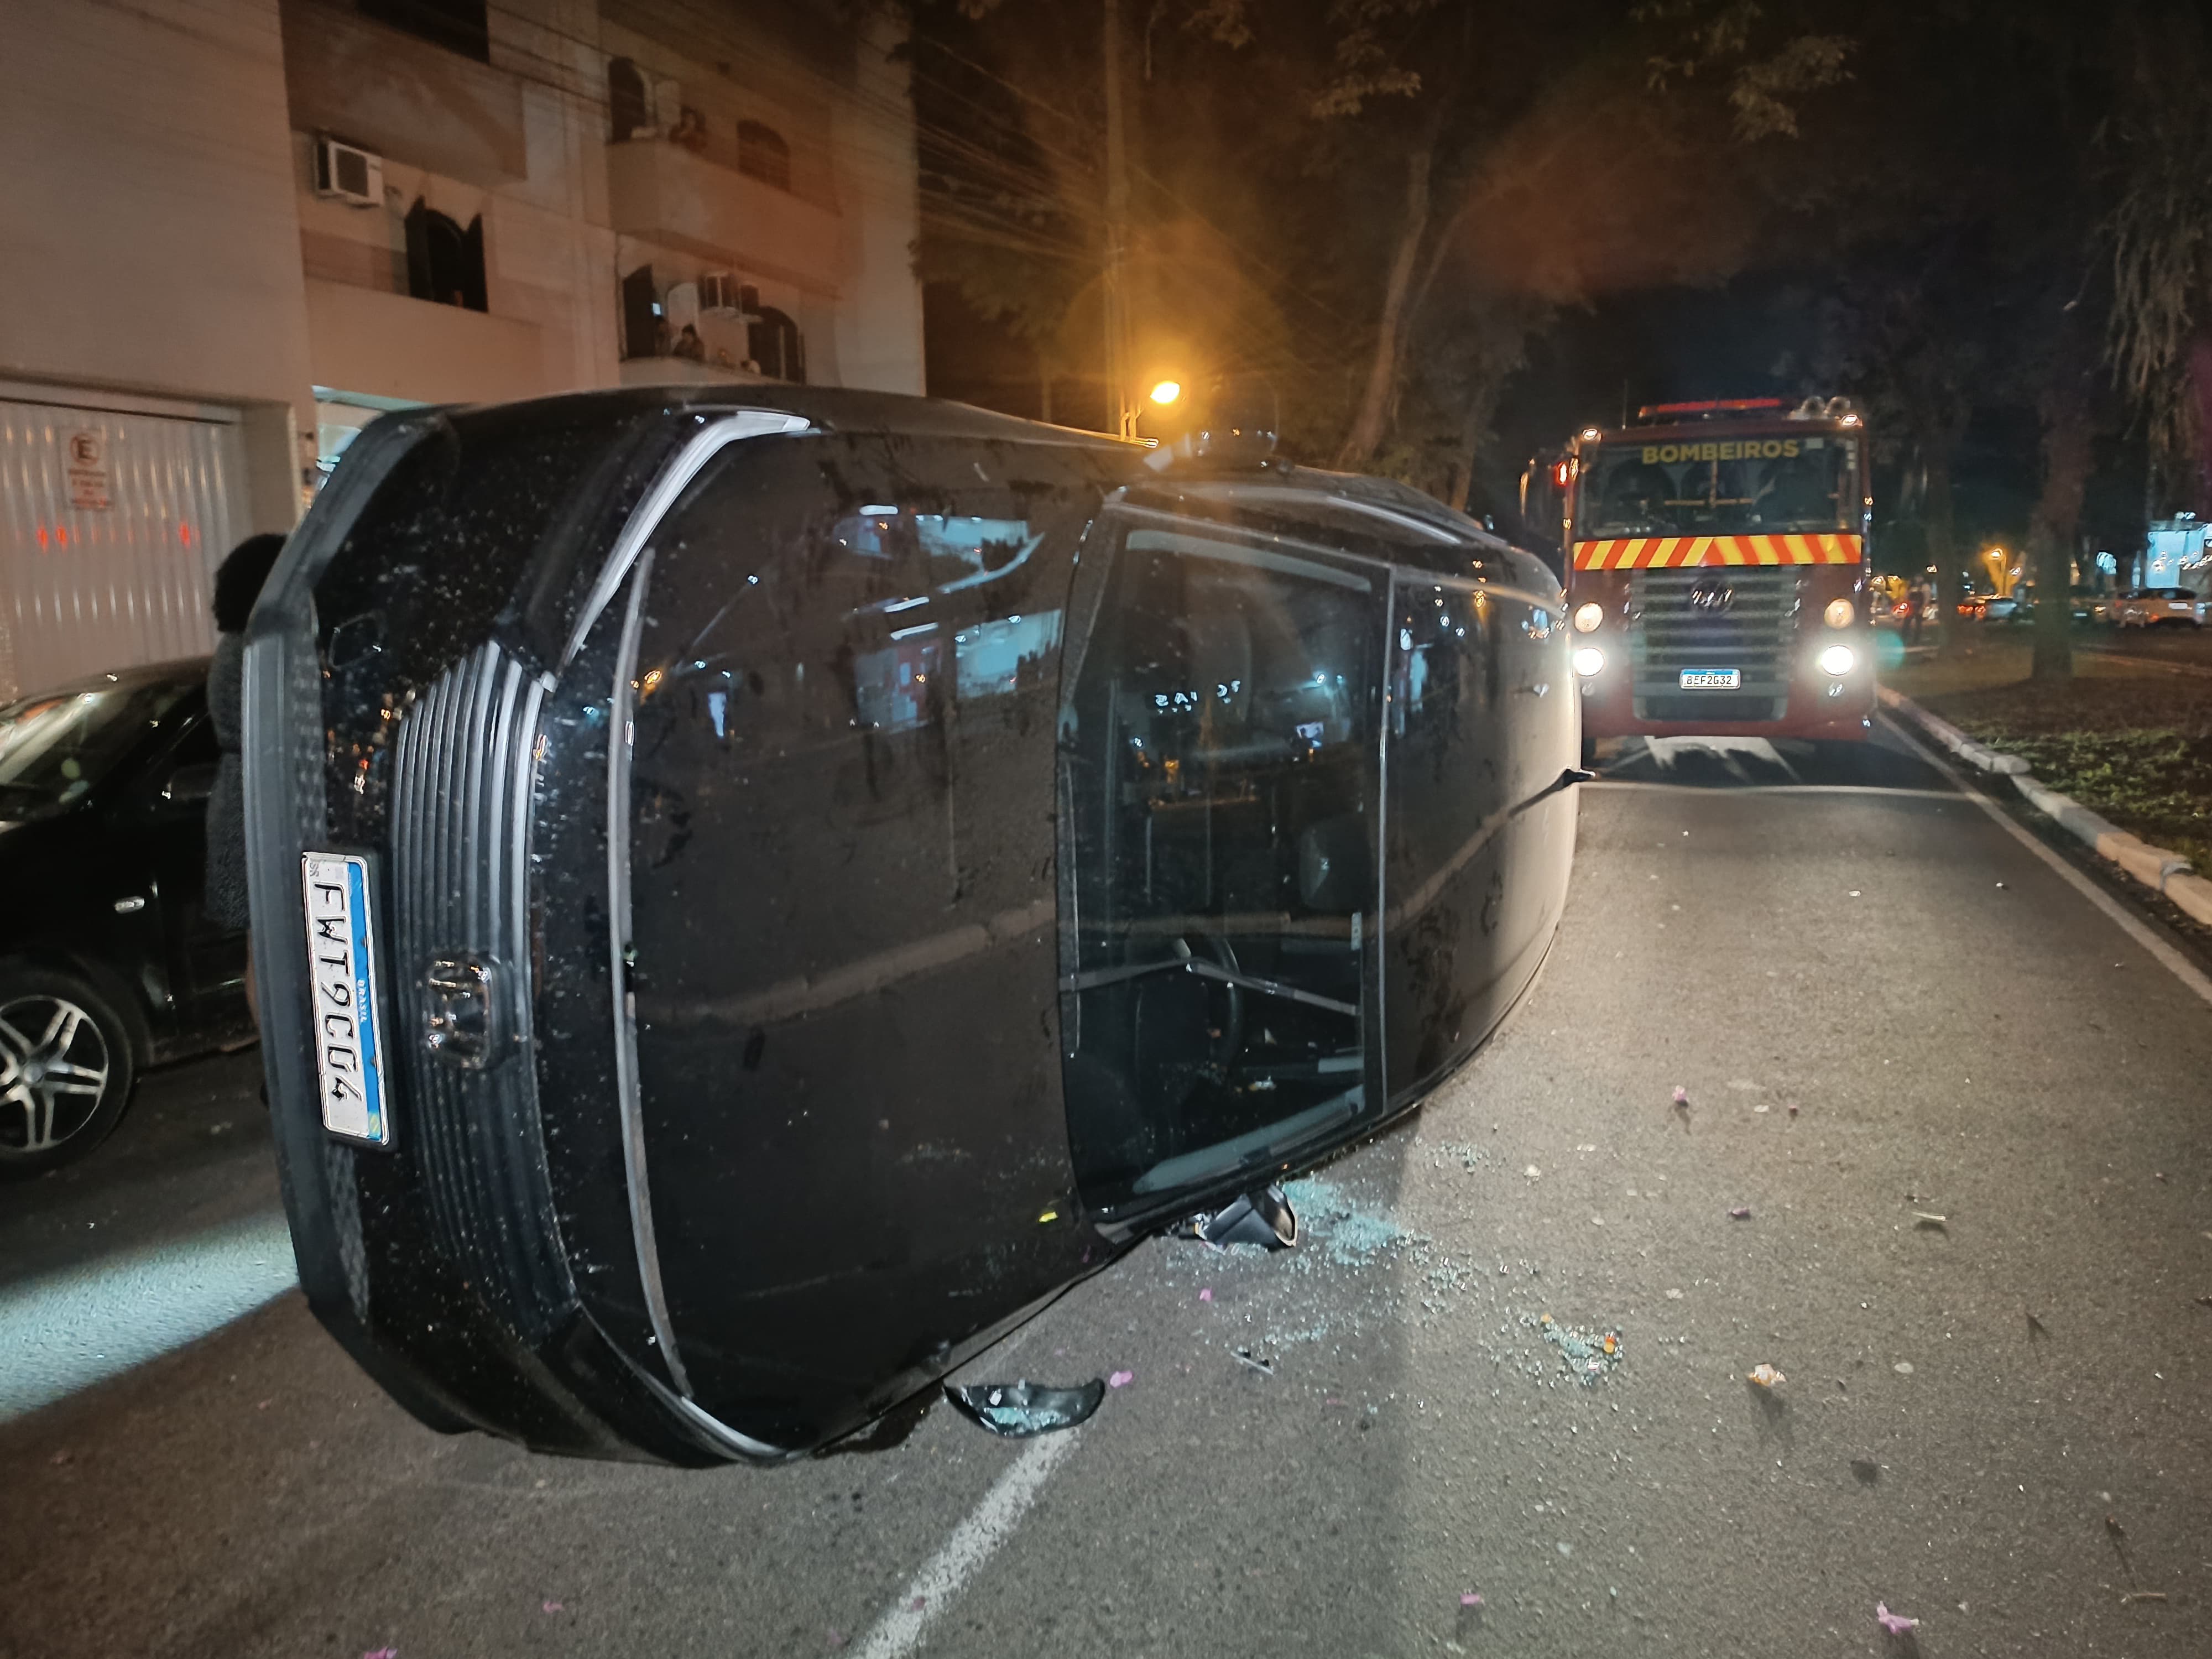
{"points": [[237, 230]]}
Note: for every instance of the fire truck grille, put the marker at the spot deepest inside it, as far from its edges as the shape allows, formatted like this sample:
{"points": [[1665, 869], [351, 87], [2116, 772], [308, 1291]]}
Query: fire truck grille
{"points": [[1712, 616]]}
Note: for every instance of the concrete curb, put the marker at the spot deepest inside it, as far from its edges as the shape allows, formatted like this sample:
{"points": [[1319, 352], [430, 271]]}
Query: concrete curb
{"points": [[2156, 867]]}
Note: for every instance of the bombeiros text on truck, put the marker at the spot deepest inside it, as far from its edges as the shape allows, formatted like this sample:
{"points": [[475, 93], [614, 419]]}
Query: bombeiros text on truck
{"points": [[1716, 559]]}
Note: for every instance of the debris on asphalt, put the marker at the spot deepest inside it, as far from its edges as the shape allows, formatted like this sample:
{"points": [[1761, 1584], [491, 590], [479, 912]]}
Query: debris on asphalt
{"points": [[2143, 1595], [1895, 1623], [1866, 1469], [1762, 1109], [1207, 1295], [550, 1607], [1681, 1095], [1017, 1410], [1673, 1296], [1930, 1224], [1764, 1375], [1120, 1379], [1903, 1368], [1263, 1218], [2202, 1302], [837, 1638], [1470, 1598], [917, 1604], [1741, 1212], [1584, 1355], [1533, 1172], [1264, 1367], [1793, 1109]]}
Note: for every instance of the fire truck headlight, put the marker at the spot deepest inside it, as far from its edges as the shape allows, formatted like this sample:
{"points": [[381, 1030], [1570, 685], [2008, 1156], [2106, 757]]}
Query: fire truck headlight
{"points": [[1839, 613], [1589, 661], [1589, 616], [1838, 660]]}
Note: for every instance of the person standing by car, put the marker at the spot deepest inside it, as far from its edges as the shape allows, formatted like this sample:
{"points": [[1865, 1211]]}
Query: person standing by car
{"points": [[237, 585]]}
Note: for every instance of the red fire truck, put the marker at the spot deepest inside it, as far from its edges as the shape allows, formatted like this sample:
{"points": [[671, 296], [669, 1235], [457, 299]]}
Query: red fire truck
{"points": [[1716, 570]]}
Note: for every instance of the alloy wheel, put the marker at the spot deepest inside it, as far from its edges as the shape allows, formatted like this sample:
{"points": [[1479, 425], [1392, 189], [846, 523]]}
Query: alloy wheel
{"points": [[54, 1067]]}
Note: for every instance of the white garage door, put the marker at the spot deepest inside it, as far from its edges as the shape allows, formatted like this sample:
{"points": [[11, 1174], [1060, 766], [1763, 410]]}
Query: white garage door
{"points": [[112, 523]]}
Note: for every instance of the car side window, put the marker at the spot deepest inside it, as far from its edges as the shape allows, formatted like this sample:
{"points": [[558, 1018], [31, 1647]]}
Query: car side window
{"points": [[1219, 747]]}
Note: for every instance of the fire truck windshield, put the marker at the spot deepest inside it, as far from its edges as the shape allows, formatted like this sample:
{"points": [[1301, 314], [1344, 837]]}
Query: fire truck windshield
{"points": [[1804, 482]]}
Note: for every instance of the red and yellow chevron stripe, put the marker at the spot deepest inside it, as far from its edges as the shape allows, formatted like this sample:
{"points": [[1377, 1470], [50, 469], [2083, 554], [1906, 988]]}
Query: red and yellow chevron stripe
{"points": [[1664, 552]]}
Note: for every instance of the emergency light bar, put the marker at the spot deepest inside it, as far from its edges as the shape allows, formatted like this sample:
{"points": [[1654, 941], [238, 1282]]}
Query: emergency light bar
{"points": [[1717, 406]]}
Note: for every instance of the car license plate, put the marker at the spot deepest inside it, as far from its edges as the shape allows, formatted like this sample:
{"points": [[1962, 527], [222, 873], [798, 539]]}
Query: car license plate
{"points": [[342, 967], [1713, 679]]}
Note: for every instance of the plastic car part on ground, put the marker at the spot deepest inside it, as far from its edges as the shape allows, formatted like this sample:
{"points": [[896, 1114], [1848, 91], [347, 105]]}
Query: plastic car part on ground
{"points": [[1017, 1410], [1264, 1217], [1585, 1355]]}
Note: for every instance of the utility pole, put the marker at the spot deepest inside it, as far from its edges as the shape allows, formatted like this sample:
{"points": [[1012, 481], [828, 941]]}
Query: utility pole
{"points": [[1120, 404]]}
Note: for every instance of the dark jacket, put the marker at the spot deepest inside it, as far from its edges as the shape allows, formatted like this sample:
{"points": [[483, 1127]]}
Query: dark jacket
{"points": [[226, 809]]}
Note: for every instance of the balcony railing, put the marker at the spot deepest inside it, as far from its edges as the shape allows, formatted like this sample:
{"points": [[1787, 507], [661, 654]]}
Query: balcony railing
{"points": [[661, 192]]}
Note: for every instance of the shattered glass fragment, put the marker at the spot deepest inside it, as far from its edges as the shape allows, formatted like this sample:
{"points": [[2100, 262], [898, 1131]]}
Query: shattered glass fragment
{"points": [[1017, 1410], [1584, 1355]]}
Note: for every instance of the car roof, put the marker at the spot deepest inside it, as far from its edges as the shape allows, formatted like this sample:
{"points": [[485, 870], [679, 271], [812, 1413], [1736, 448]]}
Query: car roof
{"points": [[179, 670], [1386, 509]]}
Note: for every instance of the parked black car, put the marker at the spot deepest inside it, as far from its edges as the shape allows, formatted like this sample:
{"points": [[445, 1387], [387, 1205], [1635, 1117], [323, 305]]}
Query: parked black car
{"points": [[108, 962], [757, 894]]}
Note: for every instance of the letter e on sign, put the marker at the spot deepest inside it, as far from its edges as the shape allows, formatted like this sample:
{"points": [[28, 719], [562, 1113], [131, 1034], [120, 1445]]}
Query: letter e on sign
{"points": [[87, 465]]}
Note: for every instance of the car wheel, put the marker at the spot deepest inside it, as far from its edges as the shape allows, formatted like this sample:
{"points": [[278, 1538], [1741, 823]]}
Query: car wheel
{"points": [[65, 1070]]}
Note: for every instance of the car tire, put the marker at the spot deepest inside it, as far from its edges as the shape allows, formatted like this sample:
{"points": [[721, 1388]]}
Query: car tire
{"points": [[66, 1069]]}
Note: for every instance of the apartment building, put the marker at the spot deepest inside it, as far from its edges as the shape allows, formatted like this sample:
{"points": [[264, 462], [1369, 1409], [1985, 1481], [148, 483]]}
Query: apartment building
{"points": [[237, 230]]}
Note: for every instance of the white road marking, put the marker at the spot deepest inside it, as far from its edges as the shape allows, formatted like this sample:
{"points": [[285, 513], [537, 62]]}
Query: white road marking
{"points": [[1770, 791], [973, 1542], [1666, 752], [71, 1329], [2133, 926]]}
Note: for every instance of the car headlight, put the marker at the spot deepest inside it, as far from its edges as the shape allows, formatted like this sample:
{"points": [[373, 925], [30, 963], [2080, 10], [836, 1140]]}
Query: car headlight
{"points": [[1588, 616], [1839, 613], [1839, 659], [1589, 661]]}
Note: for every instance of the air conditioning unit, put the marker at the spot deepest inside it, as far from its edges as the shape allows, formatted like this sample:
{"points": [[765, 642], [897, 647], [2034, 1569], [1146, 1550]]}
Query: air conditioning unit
{"points": [[345, 173]]}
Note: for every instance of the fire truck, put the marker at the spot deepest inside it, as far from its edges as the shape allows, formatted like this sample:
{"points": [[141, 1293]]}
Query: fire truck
{"points": [[1716, 570]]}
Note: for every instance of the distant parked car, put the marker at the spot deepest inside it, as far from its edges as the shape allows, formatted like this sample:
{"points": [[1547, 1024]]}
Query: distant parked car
{"points": [[108, 962], [2147, 607], [1999, 607]]}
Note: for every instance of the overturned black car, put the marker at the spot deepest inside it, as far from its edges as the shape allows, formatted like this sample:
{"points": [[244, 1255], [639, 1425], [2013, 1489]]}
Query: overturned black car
{"points": [[756, 893]]}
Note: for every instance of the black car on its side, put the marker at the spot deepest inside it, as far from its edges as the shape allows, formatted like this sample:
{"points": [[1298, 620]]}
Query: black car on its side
{"points": [[757, 889], [108, 962]]}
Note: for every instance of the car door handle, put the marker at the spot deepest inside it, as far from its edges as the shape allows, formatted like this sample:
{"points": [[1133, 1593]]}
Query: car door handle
{"points": [[124, 907]]}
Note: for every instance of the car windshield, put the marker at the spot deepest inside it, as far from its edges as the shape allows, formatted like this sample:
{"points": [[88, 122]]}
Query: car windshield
{"points": [[1745, 486], [56, 746]]}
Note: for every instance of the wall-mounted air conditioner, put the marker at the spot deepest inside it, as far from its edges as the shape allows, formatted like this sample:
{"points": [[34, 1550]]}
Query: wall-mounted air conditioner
{"points": [[345, 173]]}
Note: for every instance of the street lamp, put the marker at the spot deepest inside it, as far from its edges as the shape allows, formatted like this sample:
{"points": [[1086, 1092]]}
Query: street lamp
{"points": [[1166, 391]]}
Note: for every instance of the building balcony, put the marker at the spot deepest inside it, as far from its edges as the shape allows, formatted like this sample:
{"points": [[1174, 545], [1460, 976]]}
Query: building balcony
{"points": [[661, 192], [387, 345], [401, 97]]}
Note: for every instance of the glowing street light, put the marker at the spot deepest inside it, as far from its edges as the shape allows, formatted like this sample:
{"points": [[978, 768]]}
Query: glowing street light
{"points": [[1167, 392]]}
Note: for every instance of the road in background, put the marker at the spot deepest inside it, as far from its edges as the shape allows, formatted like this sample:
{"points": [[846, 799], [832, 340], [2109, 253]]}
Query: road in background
{"points": [[1881, 1007]]}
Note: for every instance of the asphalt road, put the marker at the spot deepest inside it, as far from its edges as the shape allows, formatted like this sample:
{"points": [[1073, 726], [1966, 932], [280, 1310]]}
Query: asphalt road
{"points": [[1881, 1004]]}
